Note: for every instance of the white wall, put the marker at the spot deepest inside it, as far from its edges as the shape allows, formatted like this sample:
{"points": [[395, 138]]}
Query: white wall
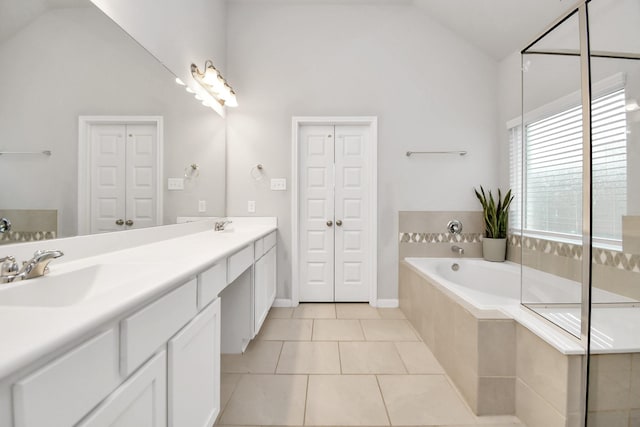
{"points": [[429, 89], [73, 62], [177, 32]]}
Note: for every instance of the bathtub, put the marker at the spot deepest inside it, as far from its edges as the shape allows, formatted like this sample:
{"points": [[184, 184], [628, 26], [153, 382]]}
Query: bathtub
{"points": [[498, 286], [505, 358]]}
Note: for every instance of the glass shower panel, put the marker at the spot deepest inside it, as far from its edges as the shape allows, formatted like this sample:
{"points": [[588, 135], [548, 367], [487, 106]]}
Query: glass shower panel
{"points": [[614, 360], [552, 152]]}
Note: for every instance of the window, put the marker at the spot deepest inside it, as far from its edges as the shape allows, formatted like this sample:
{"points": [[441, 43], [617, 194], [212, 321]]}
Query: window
{"points": [[553, 171]]}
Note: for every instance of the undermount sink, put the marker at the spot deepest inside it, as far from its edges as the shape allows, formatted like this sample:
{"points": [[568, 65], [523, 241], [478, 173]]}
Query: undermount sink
{"points": [[60, 289]]}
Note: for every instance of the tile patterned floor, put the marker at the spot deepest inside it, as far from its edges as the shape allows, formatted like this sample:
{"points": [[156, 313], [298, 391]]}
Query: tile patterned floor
{"points": [[341, 365]]}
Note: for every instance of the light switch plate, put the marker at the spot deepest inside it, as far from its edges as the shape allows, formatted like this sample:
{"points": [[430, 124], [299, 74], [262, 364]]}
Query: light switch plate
{"points": [[279, 184], [175, 184], [202, 205], [251, 206]]}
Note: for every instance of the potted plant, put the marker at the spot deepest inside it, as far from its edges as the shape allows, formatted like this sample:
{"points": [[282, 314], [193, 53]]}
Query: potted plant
{"points": [[496, 222]]}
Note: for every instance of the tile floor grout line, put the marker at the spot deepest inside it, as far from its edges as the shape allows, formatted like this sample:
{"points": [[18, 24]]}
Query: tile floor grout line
{"points": [[219, 418], [406, 368], [306, 398], [384, 402], [275, 370], [362, 330]]}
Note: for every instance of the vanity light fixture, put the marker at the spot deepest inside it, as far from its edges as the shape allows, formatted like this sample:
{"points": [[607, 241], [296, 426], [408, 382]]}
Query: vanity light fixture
{"points": [[211, 80]]}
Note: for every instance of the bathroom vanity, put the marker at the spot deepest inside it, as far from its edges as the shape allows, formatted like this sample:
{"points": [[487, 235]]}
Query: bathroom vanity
{"points": [[135, 337]]}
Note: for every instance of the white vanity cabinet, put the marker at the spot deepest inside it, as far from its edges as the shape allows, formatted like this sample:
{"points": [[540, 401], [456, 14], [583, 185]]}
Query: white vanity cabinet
{"points": [[64, 390], [153, 364], [140, 402], [194, 371], [264, 279]]}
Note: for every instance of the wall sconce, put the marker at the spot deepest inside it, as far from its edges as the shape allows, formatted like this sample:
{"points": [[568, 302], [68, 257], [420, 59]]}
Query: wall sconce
{"points": [[211, 80]]}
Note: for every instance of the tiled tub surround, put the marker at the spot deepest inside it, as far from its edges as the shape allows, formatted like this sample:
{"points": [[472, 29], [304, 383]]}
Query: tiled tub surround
{"points": [[30, 225], [613, 271], [425, 234], [500, 363]]}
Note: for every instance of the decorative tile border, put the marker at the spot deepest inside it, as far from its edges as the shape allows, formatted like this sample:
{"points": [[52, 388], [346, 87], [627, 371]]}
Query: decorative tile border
{"points": [[606, 257], [428, 238], [26, 236]]}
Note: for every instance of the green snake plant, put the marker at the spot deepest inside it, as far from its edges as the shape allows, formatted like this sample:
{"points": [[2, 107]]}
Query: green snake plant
{"points": [[496, 217]]}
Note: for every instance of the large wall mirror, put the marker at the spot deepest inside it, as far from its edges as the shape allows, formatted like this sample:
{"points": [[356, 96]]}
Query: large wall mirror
{"points": [[61, 60]]}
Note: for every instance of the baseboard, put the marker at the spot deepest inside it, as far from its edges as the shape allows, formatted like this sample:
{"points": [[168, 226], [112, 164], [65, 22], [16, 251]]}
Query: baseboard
{"points": [[281, 302], [387, 303]]}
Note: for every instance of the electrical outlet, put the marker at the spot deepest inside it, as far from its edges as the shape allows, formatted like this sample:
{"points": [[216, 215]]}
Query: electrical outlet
{"points": [[202, 205], [251, 206], [278, 184], [175, 184]]}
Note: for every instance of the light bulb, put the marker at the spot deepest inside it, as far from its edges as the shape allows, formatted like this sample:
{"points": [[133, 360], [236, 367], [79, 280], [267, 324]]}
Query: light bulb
{"points": [[188, 89], [198, 97], [210, 76], [232, 101], [180, 82], [225, 92]]}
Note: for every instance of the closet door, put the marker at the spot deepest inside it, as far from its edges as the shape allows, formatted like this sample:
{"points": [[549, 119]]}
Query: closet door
{"points": [[316, 213], [352, 223], [108, 176], [124, 176], [141, 176]]}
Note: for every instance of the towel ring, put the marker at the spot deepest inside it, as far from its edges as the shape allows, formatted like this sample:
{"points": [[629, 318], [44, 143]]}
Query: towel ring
{"points": [[192, 171], [256, 172]]}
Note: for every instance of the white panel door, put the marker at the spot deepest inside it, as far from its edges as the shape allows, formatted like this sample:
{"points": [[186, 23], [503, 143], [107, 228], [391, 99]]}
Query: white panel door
{"points": [[352, 257], [123, 176], [316, 211], [108, 177], [141, 176], [335, 253]]}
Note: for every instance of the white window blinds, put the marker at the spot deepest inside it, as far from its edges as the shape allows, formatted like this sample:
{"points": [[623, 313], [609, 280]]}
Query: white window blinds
{"points": [[553, 170]]}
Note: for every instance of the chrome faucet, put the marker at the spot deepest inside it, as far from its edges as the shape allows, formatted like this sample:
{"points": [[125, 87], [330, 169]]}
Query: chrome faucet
{"points": [[457, 249], [35, 267], [220, 225], [5, 225]]}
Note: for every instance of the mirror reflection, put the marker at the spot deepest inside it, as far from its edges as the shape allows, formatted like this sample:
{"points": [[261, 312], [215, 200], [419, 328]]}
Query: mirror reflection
{"points": [[93, 129]]}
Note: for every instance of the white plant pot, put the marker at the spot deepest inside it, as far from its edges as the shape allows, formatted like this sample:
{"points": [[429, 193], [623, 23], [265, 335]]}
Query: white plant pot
{"points": [[494, 250]]}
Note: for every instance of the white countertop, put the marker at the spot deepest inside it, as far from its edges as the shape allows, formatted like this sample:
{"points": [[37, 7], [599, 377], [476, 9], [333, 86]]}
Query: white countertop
{"points": [[29, 333]]}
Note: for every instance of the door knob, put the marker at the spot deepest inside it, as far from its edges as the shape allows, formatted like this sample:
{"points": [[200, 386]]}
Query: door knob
{"points": [[129, 222], [119, 222], [339, 222], [329, 223]]}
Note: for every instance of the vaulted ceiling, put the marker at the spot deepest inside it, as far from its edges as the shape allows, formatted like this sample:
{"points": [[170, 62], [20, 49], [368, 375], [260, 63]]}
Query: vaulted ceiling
{"points": [[498, 27]]}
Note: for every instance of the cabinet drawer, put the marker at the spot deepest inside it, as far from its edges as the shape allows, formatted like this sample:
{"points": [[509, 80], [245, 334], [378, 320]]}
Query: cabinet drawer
{"points": [[239, 262], [142, 333], [211, 283], [62, 392], [269, 241], [259, 249]]}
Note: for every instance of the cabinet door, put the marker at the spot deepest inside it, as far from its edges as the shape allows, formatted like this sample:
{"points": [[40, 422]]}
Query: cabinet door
{"points": [[140, 402], [271, 273], [194, 371], [264, 288], [259, 294]]}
